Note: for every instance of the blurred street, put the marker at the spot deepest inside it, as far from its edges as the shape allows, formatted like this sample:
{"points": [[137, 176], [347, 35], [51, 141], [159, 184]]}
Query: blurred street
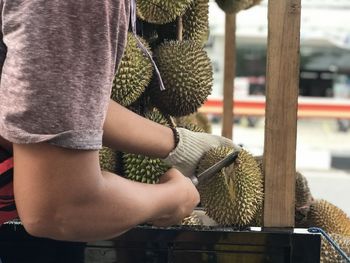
{"points": [[323, 155]]}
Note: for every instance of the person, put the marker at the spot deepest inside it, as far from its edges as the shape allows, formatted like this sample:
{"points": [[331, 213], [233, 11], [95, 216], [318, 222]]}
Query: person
{"points": [[58, 61]]}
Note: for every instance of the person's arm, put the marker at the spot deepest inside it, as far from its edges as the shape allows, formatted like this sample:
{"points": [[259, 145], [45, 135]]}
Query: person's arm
{"points": [[129, 132], [61, 194]]}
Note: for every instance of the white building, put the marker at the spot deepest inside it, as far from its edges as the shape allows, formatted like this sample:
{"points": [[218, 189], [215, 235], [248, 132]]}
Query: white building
{"points": [[324, 24]]}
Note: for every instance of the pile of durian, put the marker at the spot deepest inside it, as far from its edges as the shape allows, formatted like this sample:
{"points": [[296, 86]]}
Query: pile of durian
{"points": [[312, 212], [174, 34]]}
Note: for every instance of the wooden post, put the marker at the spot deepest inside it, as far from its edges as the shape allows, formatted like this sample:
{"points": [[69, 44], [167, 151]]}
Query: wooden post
{"points": [[229, 74], [281, 112]]}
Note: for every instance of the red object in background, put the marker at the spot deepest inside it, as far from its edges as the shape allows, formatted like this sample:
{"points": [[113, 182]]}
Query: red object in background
{"points": [[307, 107], [7, 202]]}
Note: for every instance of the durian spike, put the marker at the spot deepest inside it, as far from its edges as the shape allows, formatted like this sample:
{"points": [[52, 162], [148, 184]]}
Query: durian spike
{"points": [[179, 28]]}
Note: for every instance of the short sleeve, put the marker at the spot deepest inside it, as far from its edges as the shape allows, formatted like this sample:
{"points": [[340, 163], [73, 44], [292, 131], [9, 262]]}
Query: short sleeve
{"points": [[59, 59]]}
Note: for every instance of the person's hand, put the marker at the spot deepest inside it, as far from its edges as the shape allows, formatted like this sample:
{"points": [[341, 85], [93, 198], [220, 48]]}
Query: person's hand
{"points": [[182, 203], [191, 147]]}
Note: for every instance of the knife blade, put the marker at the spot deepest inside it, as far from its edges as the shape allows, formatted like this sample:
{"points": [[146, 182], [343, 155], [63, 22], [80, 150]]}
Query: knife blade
{"points": [[212, 170]]}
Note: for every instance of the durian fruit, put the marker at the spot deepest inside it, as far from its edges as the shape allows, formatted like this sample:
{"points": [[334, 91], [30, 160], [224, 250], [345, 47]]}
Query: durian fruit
{"points": [[142, 168], [192, 220], [196, 21], [192, 127], [198, 118], [161, 11], [108, 159], [187, 74], [303, 196], [329, 254], [156, 116], [329, 217], [234, 6], [303, 200], [234, 195], [134, 73]]}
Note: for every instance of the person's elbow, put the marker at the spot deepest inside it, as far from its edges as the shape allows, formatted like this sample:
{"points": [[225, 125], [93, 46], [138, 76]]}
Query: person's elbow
{"points": [[47, 223]]}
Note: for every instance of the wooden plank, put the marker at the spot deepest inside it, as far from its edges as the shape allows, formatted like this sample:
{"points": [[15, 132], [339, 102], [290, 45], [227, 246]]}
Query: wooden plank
{"points": [[229, 74], [281, 112]]}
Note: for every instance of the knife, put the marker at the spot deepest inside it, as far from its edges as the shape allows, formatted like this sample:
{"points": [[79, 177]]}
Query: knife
{"points": [[211, 171]]}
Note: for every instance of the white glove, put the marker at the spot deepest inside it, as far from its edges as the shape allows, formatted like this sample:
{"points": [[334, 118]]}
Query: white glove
{"points": [[191, 147]]}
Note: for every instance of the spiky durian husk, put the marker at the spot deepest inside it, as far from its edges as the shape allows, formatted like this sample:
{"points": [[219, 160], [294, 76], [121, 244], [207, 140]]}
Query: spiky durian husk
{"points": [[134, 73], [199, 119], [161, 11], [108, 159], [329, 217], [187, 74], [141, 168], [192, 220], [196, 21], [236, 193], [303, 195], [234, 6], [156, 116], [329, 254], [303, 200], [192, 127]]}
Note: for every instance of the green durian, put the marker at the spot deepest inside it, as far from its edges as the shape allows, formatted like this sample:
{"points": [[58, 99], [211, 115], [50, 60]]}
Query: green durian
{"points": [[234, 195], [234, 6], [161, 11], [198, 118], [329, 254], [329, 217], [134, 73], [303, 200], [108, 159], [303, 195], [196, 21], [142, 168], [187, 74], [192, 127]]}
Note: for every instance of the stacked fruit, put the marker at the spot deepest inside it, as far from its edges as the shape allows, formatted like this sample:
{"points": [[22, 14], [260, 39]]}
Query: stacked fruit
{"points": [[174, 33]]}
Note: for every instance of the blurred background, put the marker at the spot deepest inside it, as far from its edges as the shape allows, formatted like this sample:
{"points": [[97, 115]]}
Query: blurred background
{"points": [[323, 140]]}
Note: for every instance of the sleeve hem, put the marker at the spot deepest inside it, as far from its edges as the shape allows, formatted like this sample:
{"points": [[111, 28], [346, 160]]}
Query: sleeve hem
{"points": [[72, 139]]}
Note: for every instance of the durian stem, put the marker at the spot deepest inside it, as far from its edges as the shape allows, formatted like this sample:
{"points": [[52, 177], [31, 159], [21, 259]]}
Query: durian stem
{"points": [[179, 28]]}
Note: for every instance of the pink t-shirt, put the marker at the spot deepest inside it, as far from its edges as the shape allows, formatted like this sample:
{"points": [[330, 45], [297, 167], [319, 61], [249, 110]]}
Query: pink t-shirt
{"points": [[58, 60]]}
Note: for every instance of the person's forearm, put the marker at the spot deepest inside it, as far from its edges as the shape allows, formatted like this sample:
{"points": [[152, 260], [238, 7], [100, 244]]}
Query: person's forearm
{"points": [[129, 132], [116, 206], [61, 194]]}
